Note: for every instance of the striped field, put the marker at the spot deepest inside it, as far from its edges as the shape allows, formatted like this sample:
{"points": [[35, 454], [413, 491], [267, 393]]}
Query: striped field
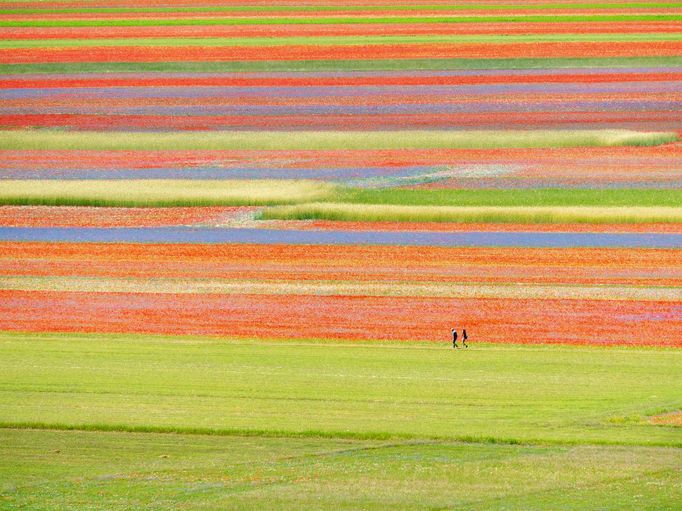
{"points": [[235, 237]]}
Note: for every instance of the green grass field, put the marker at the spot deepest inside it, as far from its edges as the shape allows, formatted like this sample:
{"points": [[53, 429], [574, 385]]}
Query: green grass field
{"points": [[120, 471], [548, 394], [146, 421]]}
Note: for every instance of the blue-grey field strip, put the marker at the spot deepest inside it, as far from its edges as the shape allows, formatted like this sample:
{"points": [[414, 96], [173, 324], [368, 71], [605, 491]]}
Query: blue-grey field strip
{"points": [[322, 173], [305, 237], [415, 108], [348, 91]]}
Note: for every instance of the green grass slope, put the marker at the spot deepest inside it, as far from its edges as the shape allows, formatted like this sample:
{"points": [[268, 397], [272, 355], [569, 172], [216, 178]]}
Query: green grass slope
{"points": [[488, 393], [120, 471], [121, 422]]}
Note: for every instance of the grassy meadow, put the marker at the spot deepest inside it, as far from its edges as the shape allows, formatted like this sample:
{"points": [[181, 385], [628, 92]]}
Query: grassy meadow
{"points": [[215, 424], [43, 468], [499, 393]]}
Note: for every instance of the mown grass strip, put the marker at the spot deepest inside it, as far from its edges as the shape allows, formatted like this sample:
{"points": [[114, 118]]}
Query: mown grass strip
{"points": [[324, 8], [161, 193], [338, 65], [208, 384], [320, 140], [335, 40], [475, 214], [336, 20]]}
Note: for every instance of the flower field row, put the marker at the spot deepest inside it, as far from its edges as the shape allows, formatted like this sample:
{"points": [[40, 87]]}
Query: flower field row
{"points": [[240, 216], [296, 287], [439, 138], [457, 168], [99, 122], [350, 292], [405, 51], [65, 216], [261, 234], [588, 266], [346, 317], [548, 27]]}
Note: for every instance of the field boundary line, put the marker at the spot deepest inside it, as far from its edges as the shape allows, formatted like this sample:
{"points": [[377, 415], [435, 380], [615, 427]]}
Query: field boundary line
{"points": [[401, 344], [345, 435]]}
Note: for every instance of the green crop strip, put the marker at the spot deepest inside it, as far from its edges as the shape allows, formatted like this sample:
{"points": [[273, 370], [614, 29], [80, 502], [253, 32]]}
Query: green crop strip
{"points": [[475, 214], [344, 203], [323, 8], [315, 140], [612, 197], [338, 65], [338, 40], [226, 21]]}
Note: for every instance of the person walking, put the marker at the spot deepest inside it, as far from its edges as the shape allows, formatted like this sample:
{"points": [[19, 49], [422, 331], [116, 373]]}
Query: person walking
{"points": [[454, 338], [464, 338]]}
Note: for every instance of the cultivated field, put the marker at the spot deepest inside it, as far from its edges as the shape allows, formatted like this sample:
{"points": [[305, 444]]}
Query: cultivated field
{"points": [[147, 421], [235, 236]]}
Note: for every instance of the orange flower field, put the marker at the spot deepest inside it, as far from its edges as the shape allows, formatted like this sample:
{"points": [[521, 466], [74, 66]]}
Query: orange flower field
{"points": [[310, 314]]}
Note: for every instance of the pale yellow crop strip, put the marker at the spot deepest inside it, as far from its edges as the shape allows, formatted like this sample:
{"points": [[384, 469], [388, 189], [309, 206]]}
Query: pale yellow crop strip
{"points": [[340, 288], [162, 192], [490, 214]]}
